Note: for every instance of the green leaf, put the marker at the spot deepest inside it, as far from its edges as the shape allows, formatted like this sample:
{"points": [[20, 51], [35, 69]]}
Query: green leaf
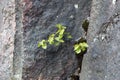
{"points": [[63, 27], [39, 44], [76, 46], [58, 31], [58, 26], [60, 36], [62, 41], [43, 41], [83, 48], [80, 47], [44, 46], [57, 39], [84, 44], [51, 39], [61, 32], [78, 51]]}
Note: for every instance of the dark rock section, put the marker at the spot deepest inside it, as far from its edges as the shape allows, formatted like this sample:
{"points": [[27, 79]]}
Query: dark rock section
{"points": [[102, 59], [40, 18]]}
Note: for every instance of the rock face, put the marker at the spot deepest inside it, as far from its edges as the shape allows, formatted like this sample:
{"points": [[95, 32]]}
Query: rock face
{"points": [[102, 61], [23, 23], [7, 31], [19, 54], [40, 18]]}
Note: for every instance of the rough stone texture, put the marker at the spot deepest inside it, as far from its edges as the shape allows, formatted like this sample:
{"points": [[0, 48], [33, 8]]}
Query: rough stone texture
{"points": [[102, 61], [40, 18], [18, 56], [7, 31]]}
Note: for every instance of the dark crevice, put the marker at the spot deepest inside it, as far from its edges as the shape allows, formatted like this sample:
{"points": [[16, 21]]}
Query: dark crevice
{"points": [[79, 61]]}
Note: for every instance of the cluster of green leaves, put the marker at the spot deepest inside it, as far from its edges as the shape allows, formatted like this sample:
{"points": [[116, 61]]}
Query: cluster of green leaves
{"points": [[43, 44], [55, 38], [79, 47]]}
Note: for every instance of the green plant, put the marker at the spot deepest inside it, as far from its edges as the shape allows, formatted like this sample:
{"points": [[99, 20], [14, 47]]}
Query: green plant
{"points": [[43, 44], [79, 47], [55, 38]]}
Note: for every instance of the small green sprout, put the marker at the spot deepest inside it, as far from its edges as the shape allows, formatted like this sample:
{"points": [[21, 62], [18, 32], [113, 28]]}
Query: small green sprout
{"points": [[43, 44], [79, 47], [51, 39], [55, 38]]}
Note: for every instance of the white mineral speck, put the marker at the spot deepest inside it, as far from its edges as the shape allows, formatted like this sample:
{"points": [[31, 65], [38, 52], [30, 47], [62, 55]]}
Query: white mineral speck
{"points": [[103, 37], [71, 16], [114, 1], [76, 6]]}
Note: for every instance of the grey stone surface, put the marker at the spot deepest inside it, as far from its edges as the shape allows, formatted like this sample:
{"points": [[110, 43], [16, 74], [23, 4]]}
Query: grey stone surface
{"points": [[40, 18], [18, 41], [7, 31], [102, 61], [18, 55]]}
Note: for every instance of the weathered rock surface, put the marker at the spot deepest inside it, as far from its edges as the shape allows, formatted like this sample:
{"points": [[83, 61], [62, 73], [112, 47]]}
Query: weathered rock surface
{"points": [[102, 61], [40, 18], [18, 42], [7, 31], [20, 56]]}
